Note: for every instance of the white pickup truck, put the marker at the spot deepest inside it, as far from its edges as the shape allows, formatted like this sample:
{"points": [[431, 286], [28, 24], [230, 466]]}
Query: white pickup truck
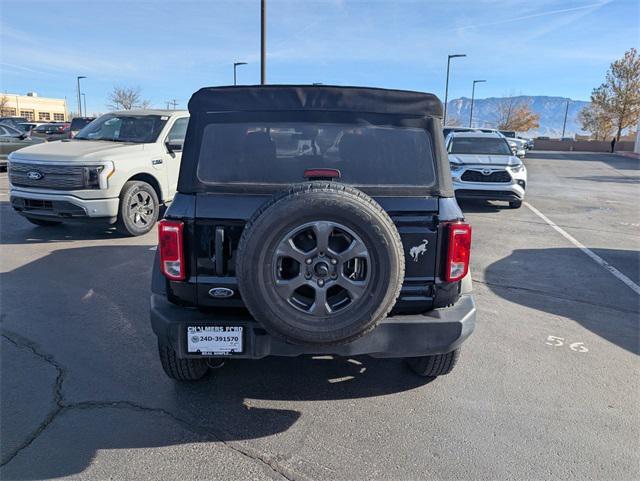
{"points": [[119, 169]]}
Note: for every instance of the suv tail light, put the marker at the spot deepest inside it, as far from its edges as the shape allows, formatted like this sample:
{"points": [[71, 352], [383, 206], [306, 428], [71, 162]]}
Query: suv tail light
{"points": [[171, 251], [458, 252]]}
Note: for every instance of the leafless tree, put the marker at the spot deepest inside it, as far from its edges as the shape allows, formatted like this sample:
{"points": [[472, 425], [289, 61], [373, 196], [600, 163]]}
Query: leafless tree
{"points": [[127, 98], [4, 100]]}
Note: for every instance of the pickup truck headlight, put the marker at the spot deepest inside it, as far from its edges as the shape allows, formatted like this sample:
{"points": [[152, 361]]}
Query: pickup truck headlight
{"points": [[92, 177], [96, 177]]}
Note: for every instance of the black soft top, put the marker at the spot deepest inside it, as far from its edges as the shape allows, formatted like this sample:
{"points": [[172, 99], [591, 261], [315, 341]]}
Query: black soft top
{"points": [[319, 103], [329, 98]]}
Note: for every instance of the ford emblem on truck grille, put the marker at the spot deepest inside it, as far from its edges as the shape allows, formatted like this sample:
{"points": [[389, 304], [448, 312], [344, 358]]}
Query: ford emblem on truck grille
{"points": [[35, 175], [221, 292]]}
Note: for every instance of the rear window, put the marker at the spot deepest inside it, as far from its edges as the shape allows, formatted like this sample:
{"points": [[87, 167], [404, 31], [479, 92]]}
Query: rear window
{"points": [[279, 153], [478, 145], [78, 123]]}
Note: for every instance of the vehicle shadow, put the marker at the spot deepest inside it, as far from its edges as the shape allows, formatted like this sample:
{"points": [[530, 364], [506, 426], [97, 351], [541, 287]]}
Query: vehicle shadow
{"points": [[90, 318], [614, 179], [472, 206], [18, 230], [565, 283]]}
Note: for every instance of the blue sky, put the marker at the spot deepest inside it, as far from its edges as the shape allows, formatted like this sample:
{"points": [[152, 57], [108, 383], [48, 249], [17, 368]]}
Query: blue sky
{"points": [[171, 48]]}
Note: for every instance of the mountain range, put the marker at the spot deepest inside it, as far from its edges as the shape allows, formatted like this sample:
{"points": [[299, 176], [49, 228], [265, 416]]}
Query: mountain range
{"points": [[550, 109]]}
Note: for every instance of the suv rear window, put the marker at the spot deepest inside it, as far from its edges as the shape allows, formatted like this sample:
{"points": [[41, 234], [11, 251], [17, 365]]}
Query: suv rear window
{"points": [[279, 153], [79, 123]]}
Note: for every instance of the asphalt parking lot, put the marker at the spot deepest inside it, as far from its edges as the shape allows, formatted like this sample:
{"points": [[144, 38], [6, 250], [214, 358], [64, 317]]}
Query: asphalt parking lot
{"points": [[83, 395]]}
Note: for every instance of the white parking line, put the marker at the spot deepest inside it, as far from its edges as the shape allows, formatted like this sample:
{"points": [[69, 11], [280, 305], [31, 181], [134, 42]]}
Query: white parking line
{"points": [[599, 260]]}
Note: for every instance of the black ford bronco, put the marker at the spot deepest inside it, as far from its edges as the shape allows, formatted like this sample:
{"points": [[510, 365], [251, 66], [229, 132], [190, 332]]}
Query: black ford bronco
{"points": [[312, 220]]}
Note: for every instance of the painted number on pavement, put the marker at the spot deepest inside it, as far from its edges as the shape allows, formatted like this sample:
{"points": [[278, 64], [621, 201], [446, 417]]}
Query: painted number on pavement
{"points": [[556, 341]]}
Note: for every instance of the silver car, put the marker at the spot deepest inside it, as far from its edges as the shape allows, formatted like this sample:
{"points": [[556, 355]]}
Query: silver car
{"points": [[12, 139]]}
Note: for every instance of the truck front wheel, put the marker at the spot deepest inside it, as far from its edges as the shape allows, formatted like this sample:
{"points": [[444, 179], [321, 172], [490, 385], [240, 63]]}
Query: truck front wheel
{"points": [[435, 365], [138, 210]]}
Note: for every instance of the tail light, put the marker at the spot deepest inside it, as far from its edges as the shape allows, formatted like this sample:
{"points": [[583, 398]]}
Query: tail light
{"points": [[323, 174], [459, 251], [172, 262]]}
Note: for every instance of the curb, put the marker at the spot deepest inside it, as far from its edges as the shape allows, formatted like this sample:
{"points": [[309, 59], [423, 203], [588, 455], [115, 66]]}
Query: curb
{"points": [[632, 155]]}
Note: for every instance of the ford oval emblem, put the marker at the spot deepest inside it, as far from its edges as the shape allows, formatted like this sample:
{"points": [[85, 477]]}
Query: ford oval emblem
{"points": [[221, 292], [35, 175]]}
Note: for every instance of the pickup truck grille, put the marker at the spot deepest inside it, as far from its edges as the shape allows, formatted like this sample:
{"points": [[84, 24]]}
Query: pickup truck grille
{"points": [[61, 177], [478, 176]]}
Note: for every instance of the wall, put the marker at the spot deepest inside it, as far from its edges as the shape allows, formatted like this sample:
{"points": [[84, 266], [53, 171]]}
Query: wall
{"points": [[582, 145]]}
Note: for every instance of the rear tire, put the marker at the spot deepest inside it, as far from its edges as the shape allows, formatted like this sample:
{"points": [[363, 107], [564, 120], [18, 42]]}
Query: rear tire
{"points": [[42, 222], [139, 208], [181, 369], [515, 204], [435, 365]]}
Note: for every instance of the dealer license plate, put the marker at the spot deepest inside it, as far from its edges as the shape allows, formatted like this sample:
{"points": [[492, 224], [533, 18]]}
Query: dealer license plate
{"points": [[214, 340]]}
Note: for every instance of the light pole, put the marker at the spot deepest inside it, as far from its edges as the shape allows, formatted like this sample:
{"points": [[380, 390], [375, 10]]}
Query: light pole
{"points": [[446, 88], [84, 101], [263, 42], [473, 95], [564, 124], [235, 65], [79, 102]]}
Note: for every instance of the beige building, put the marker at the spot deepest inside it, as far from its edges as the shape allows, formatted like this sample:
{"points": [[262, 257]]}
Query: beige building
{"points": [[34, 108]]}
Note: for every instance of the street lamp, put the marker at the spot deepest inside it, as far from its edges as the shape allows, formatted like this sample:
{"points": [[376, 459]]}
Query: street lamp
{"points": [[473, 94], [235, 65], [79, 102], [566, 112], [84, 101], [263, 42], [446, 89]]}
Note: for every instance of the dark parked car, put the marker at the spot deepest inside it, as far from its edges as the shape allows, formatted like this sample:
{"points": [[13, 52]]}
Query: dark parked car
{"points": [[12, 139], [15, 122], [52, 131], [77, 124], [312, 220]]}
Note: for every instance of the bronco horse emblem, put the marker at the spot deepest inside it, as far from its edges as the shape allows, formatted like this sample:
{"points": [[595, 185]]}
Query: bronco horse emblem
{"points": [[418, 250]]}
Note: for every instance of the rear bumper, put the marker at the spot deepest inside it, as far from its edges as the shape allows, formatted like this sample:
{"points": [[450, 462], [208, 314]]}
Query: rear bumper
{"points": [[63, 207], [436, 332]]}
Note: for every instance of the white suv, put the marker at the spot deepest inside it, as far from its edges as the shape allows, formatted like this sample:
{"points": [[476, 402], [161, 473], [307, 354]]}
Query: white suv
{"points": [[484, 167], [119, 169]]}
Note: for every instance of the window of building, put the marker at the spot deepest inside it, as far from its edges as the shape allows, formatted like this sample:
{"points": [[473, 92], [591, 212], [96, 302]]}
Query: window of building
{"points": [[8, 112], [58, 117], [27, 114], [44, 116]]}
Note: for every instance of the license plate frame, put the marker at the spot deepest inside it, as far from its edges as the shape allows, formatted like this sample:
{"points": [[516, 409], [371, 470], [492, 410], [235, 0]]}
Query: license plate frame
{"points": [[215, 340]]}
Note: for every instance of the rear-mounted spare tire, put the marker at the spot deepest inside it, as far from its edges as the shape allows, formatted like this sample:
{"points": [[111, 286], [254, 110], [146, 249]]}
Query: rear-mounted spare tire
{"points": [[320, 264]]}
